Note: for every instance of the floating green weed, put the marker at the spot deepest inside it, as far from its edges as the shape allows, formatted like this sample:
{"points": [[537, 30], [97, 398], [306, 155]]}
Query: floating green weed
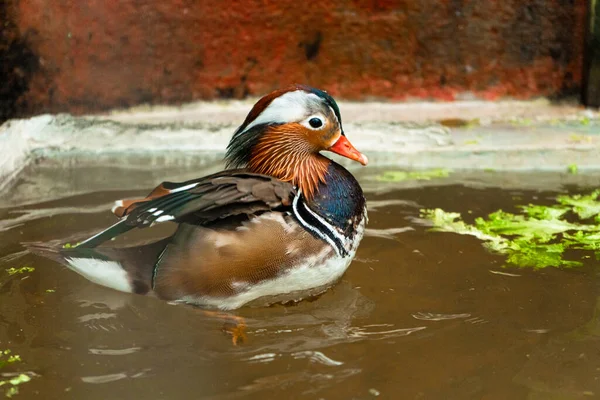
{"points": [[12, 391], [578, 138], [584, 121], [521, 122], [585, 206], [460, 123], [573, 169], [538, 236], [7, 358], [22, 270], [424, 175]]}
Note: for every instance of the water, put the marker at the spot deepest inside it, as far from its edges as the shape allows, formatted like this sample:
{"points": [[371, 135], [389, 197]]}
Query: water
{"points": [[418, 315]]}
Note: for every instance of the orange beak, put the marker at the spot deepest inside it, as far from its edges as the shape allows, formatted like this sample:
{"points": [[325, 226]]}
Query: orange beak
{"points": [[344, 148]]}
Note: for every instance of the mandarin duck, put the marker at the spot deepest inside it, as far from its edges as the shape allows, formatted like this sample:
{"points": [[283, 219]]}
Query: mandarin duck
{"points": [[282, 223]]}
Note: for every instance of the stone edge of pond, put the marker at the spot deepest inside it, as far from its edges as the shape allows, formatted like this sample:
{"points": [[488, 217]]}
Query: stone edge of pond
{"points": [[520, 144]]}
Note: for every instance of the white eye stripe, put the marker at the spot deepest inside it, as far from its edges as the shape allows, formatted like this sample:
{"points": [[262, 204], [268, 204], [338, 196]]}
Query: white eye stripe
{"points": [[289, 107], [334, 115]]}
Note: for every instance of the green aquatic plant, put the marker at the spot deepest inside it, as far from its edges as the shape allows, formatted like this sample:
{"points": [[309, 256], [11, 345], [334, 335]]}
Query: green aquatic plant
{"points": [[444, 221], [584, 206], [422, 175], [471, 142], [538, 236], [577, 138], [7, 358], [573, 169], [460, 123], [584, 121], [14, 382], [21, 270], [505, 224], [527, 254], [521, 121], [543, 212], [589, 241]]}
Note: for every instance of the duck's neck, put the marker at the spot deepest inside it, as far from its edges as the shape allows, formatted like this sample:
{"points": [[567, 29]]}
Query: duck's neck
{"points": [[339, 199], [304, 169]]}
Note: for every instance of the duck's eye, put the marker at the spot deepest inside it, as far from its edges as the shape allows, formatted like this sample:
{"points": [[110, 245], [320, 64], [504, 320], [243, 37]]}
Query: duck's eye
{"points": [[315, 122]]}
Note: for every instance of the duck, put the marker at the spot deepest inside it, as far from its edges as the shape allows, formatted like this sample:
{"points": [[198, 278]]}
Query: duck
{"points": [[281, 223]]}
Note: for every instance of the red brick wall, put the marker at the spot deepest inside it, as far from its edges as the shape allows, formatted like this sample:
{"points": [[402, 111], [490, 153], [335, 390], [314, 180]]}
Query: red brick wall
{"points": [[83, 56]]}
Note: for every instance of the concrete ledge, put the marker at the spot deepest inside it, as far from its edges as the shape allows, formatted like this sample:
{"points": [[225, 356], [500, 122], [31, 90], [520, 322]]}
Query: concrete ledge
{"points": [[234, 111], [504, 136]]}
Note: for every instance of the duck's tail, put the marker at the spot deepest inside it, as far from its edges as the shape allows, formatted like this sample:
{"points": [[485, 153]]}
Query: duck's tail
{"points": [[127, 269]]}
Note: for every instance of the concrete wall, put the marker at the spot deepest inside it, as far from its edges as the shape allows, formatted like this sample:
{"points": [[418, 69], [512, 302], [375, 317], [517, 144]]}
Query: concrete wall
{"points": [[86, 56]]}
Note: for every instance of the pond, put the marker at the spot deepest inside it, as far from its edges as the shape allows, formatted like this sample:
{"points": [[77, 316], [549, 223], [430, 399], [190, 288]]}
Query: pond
{"points": [[419, 314]]}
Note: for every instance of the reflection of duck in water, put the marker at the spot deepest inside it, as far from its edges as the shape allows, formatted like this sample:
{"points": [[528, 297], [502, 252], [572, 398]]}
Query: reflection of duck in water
{"points": [[284, 226], [338, 316]]}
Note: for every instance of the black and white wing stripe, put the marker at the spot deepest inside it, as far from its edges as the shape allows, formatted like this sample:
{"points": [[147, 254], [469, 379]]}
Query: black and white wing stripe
{"points": [[204, 200]]}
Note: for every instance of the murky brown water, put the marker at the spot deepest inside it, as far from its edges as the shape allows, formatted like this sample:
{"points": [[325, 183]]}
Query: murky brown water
{"points": [[418, 315]]}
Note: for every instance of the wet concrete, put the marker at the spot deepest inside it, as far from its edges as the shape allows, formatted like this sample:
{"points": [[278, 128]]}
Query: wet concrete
{"points": [[465, 135]]}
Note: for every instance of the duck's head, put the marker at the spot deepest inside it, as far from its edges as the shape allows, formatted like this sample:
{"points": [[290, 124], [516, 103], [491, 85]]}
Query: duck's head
{"points": [[285, 132]]}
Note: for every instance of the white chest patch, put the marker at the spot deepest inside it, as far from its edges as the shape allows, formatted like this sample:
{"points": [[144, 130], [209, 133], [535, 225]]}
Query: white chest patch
{"points": [[105, 273]]}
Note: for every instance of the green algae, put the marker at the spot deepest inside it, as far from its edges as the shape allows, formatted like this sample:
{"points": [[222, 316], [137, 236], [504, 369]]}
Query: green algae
{"points": [[419, 175], [12, 384], [538, 236], [21, 270], [573, 169]]}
